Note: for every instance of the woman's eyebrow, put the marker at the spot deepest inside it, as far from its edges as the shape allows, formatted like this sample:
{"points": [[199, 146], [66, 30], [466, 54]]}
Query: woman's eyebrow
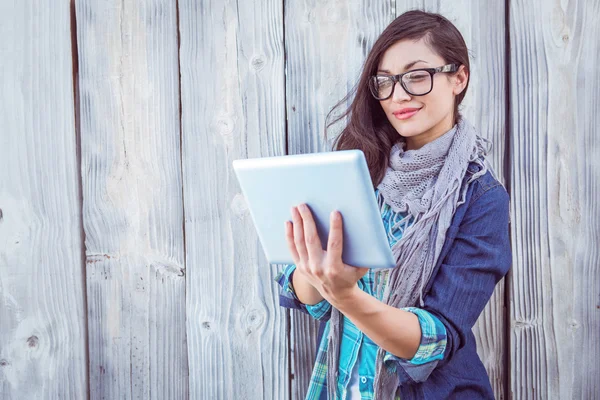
{"points": [[407, 66]]}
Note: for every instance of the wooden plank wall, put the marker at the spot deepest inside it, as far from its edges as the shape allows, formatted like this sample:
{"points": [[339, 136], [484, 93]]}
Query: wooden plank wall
{"points": [[42, 287], [555, 290], [233, 106], [129, 263], [132, 198]]}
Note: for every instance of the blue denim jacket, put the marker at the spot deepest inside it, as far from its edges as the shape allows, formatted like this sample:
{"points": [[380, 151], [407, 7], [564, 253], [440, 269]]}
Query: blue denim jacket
{"points": [[475, 256]]}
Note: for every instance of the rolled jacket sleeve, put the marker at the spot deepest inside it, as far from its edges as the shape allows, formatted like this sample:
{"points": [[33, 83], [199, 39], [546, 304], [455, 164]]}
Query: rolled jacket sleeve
{"points": [[479, 256], [287, 296]]}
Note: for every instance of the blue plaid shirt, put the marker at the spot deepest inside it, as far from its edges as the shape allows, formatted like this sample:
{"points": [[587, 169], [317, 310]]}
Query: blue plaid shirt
{"points": [[354, 342]]}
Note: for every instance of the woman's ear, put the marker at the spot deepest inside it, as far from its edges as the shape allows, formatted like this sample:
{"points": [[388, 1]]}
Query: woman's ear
{"points": [[461, 78]]}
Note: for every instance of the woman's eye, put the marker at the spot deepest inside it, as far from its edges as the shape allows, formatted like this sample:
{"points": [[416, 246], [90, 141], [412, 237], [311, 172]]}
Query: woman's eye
{"points": [[418, 76], [383, 82]]}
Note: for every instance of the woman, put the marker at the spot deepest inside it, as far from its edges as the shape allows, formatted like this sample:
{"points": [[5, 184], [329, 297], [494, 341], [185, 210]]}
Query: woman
{"points": [[406, 332]]}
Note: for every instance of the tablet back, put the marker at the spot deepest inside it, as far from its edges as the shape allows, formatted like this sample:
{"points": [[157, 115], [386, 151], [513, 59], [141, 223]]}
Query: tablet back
{"points": [[327, 181]]}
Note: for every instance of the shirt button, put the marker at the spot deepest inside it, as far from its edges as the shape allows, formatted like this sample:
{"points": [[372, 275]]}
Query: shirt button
{"points": [[363, 379]]}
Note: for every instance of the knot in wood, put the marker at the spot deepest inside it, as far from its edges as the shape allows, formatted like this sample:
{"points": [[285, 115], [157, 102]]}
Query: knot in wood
{"points": [[32, 341], [224, 125], [257, 62]]}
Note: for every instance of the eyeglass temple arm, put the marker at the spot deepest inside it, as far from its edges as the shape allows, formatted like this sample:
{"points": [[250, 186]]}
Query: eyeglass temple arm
{"points": [[447, 68]]}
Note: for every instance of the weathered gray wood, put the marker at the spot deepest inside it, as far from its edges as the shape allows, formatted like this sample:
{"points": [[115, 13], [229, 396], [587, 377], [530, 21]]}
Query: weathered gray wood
{"points": [[482, 25], [555, 314], [233, 106], [326, 44], [132, 199], [42, 306]]}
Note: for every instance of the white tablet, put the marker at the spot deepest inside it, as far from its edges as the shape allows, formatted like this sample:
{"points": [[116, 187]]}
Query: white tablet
{"points": [[336, 180]]}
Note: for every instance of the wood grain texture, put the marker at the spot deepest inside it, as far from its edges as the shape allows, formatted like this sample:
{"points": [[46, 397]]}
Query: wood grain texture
{"points": [[555, 309], [160, 212], [233, 106], [42, 305], [482, 25], [132, 199], [326, 44]]}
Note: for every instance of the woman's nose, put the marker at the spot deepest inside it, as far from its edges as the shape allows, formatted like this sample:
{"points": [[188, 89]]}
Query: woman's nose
{"points": [[399, 93]]}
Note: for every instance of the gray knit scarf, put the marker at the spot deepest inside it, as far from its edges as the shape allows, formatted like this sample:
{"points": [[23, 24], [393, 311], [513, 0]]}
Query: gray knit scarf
{"points": [[426, 184]]}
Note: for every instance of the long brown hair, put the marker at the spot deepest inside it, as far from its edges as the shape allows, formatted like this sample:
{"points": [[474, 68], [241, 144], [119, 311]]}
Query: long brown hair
{"points": [[369, 129]]}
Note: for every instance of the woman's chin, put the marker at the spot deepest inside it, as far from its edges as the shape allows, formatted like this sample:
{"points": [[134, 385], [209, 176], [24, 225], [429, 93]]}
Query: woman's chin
{"points": [[407, 131], [409, 127]]}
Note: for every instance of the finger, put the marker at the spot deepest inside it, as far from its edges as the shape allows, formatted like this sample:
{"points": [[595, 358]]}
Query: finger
{"points": [[335, 242], [311, 236], [289, 237], [299, 236]]}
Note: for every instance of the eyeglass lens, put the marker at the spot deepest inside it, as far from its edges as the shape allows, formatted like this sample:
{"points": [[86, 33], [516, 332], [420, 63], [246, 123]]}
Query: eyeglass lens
{"points": [[417, 83]]}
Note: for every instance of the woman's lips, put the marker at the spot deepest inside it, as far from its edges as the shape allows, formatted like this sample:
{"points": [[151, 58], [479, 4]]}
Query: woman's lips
{"points": [[406, 115]]}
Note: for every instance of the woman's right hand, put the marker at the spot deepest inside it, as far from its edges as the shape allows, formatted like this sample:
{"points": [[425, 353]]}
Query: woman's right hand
{"points": [[324, 274]]}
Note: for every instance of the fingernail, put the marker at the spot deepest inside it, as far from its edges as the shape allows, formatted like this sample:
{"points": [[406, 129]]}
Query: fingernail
{"points": [[303, 207]]}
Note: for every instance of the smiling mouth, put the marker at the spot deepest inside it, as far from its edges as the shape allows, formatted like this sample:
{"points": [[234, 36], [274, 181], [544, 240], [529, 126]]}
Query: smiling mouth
{"points": [[406, 115]]}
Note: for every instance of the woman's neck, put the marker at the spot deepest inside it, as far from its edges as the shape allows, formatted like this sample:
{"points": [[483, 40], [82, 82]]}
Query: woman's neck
{"points": [[420, 140]]}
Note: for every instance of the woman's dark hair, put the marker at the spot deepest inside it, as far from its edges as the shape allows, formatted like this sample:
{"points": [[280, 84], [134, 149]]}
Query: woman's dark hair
{"points": [[369, 129]]}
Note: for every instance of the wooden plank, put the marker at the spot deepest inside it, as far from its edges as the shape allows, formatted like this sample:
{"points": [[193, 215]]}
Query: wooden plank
{"points": [[483, 28], [233, 106], [326, 44], [133, 209], [42, 300], [555, 97]]}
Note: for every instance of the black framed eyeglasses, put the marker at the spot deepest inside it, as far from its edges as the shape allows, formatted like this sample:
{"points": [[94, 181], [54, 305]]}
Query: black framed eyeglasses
{"points": [[416, 82]]}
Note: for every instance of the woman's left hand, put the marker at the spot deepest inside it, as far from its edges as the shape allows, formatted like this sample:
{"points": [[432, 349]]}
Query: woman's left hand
{"points": [[324, 269]]}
